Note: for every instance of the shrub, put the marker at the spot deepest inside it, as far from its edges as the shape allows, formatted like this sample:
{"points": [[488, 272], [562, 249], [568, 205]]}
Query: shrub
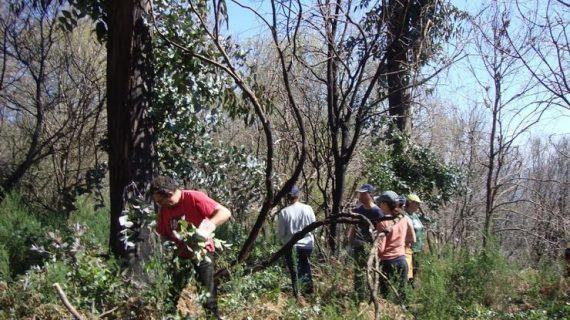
{"points": [[97, 221], [19, 229]]}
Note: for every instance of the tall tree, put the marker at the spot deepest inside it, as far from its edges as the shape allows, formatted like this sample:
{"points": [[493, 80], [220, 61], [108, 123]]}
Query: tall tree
{"points": [[122, 24], [129, 81], [371, 61], [514, 105]]}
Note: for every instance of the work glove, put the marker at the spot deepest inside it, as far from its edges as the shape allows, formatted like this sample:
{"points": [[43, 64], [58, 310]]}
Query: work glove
{"points": [[205, 230]]}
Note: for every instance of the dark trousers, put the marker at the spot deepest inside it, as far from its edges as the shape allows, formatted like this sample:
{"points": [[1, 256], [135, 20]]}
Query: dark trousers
{"points": [[360, 256], [205, 277], [302, 272], [396, 270], [415, 266]]}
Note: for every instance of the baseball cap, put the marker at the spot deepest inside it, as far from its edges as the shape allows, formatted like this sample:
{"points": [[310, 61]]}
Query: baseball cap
{"points": [[366, 188], [402, 200], [294, 191], [414, 197], [388, 196]]}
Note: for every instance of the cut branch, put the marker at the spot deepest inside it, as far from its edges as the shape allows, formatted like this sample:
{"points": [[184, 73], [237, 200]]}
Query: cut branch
{"points": [[66, 303]]}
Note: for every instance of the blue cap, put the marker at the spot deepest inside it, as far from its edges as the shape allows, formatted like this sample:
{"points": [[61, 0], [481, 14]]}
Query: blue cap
{"points": [[402, 200], [388, 196], [366, 188], [294, 191]]}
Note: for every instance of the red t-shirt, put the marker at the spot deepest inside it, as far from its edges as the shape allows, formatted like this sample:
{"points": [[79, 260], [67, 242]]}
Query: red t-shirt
{"points": [[194, 206]]}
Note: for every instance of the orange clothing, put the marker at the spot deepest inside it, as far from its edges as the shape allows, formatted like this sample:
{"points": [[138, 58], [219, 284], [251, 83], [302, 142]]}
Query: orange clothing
{"points": [[393, 245]]}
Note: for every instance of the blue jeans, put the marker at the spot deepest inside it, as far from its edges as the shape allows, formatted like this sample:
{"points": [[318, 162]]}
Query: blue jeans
{"points": [[396, 270], [302, 272]]}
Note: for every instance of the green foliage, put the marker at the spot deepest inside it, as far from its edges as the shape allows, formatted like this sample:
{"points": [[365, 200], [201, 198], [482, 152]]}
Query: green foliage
{"points": [[459, 285], [188, 103], [250, 287], [97, 10], [19, 229], [416, 169], [97, 221], [197, 244], [445, 23], [94, 283], [4, 262]]}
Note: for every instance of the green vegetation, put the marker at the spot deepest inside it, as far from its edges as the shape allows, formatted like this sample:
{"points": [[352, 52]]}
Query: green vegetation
{"points": [[406, 167], [453, 284]]}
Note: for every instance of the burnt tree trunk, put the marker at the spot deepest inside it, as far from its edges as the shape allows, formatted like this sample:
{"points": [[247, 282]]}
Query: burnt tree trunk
{"points": [[130, 132], [397, 65]]}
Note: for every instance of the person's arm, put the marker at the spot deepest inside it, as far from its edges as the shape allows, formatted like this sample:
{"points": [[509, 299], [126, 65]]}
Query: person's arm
{"points": [[312, 217], [220, 215], [382, 242]]}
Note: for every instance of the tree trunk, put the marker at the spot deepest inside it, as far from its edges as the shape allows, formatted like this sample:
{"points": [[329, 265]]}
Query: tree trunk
{"points": [[397, 65], [489, 185], [338, 191], [130, 133]]}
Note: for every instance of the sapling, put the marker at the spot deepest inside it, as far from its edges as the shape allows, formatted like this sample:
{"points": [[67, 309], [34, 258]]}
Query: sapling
{"points": [[196, 241]]}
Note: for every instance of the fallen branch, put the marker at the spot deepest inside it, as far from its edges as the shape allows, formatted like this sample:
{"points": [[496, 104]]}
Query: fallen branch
{"points": [[108, 312], [66, 303], [339, 218], [383, 275]]}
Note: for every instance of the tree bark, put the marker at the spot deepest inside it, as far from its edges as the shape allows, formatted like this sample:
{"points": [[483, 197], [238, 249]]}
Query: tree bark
{"points": [[397, 65], [130, 132]]}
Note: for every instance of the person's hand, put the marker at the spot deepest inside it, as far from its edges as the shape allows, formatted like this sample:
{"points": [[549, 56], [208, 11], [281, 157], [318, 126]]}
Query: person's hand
{"points": [[206, 229]]}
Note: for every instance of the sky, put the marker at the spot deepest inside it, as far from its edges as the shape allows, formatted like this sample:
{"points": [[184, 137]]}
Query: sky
{"points": [[456, 86]]}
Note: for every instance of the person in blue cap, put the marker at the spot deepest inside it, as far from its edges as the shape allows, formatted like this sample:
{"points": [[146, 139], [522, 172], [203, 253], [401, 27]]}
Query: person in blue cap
{"points": [[361, 235], [291, 220]]}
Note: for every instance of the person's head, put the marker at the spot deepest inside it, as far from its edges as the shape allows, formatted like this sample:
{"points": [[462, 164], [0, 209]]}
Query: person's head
{"points": [[401, 202], [365, 193], [165, 191], [413, 203], [293, 195], [388, 201]]}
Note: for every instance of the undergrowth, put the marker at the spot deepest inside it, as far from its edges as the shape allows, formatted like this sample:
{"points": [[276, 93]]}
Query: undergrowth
{"points": [[452, 284]]}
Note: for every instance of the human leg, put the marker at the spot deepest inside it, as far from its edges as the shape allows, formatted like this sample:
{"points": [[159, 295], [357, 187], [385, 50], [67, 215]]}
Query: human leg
{"points": [[360, 265], [290, 264], [396, 272], [205, 277], [304, 269]]}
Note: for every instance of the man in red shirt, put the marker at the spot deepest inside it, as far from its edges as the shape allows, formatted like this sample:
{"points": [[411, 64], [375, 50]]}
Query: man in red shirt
{"points": [[205, 214]]}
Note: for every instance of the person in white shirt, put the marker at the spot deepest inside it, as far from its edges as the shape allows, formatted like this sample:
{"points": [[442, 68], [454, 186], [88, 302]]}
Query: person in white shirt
{"points": [[293, 219]]}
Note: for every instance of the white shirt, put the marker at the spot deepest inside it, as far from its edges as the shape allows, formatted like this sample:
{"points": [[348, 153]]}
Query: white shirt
{"points": [[293, 219]]}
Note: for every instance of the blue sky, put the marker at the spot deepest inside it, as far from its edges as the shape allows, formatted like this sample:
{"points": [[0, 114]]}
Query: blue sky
{"points": [[456, 86]]}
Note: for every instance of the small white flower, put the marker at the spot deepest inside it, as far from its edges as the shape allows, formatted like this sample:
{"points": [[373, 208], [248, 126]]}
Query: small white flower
{"points": [[124, 221]]}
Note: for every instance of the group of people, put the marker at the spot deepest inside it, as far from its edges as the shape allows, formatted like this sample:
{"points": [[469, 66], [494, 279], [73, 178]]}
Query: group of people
{"points": [[396, 217], [389, 214]]}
